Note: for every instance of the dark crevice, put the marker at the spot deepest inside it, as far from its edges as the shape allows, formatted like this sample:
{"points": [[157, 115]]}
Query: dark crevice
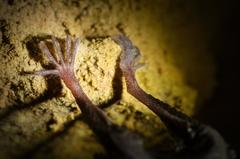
{"points": [[4, 27], [120, 28], [91, 38], [66, 29], [10, 2]]}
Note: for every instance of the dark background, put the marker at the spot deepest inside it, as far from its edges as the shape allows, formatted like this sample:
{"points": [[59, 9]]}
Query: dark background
{"points": [[222, 111]]}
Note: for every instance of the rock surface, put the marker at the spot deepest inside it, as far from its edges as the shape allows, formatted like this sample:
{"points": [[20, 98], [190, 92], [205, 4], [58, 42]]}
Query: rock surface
{"points": [[38, 116]]}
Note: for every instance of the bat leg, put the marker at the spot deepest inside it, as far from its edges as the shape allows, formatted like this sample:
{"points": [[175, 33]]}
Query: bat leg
{"points": [[178, 123], [196, 140]]}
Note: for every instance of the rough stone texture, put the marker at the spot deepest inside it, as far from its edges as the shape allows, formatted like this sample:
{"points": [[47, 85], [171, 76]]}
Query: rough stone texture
{"points": [[38, 116]]}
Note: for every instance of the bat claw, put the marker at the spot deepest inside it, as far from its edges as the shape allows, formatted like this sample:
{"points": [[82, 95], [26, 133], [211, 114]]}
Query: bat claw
{"points": [[64, 67], [130, 55]]}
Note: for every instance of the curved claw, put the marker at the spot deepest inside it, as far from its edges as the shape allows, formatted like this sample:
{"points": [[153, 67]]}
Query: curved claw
{"points": [[57, 49], [64, 68], [123, 41], [130, 55], [75, 50], [43, 47], [67, 48], [46, 72]]}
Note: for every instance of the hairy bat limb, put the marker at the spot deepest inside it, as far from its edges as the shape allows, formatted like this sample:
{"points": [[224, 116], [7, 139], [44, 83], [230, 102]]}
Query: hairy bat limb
{"points": [[118, 141], [198, 140]]}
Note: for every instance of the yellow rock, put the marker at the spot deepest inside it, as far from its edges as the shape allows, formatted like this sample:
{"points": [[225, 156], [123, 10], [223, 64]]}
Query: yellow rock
{"points": [[173, 40]]}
